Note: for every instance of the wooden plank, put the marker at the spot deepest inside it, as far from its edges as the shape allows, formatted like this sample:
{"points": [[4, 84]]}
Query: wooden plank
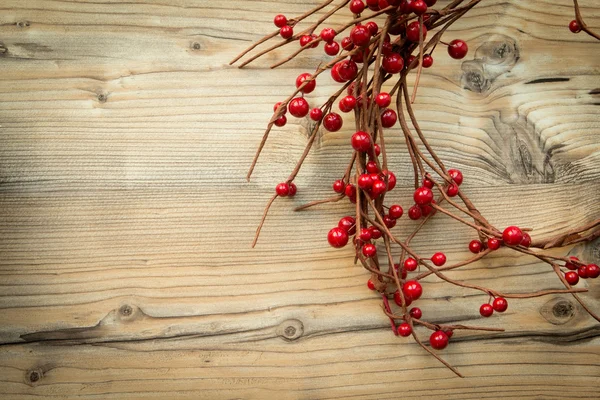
{"points": [[125, 217]]}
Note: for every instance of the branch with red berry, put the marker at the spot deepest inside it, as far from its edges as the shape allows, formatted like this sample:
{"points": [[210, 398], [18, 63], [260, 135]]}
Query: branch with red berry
{"points": [[384, 45]]}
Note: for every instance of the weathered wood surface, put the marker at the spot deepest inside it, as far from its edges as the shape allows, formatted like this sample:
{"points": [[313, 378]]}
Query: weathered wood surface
{"points": [[125, 218]]}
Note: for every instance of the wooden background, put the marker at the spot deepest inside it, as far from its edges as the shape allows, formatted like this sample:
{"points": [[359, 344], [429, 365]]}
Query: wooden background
{"points": [[126, 221]]}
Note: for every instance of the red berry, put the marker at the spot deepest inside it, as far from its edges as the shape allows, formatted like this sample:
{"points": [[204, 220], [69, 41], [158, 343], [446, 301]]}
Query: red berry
{"points": [[398, 299], [276, 107], [347, 104], [427, 61], [282, 189], [328, 34], [427, 209], [410, 264], [347, 43], [372, 27], [452, 190], [404, 329], [438, 259], [337, 237], [333, 122], [293, 189], [396, 211], [375, 232], [486, 310], [281, 121], [416, 313], [419, 7], [348, 224], [423, 196], [316, 114], [370, 285], [475, 246], [415, 212], [512, 236], [526, 241], [372, 167], [383, 100], [582, 272], [378, 188], [457, 49], [428, 183], [361, 141], [365, 182], [280, 20], [386, 48], [306, 39], [570, 265], [350, 190], [339, 186], [438, 340], [360, 35], [377, 149], [332, 48], [500, 304], [286, 32], [456, 176], [357, 6], [574, 26], [593, 271], [571, 277], [347, 70], [388, 118], [389, 221], [493, 244], [369, 250], [310, 86], [391, 179], [412, 31], [335, 73], [412, 290], [298, 107], [393, 63], [430, 3], [365, 234]]}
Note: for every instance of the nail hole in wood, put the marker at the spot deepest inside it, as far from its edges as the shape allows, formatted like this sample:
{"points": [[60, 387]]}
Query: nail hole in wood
{"points": [[126, 310]]}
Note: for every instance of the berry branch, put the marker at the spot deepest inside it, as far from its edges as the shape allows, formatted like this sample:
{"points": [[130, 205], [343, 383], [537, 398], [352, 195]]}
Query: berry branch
{"points": [[364, 62]]}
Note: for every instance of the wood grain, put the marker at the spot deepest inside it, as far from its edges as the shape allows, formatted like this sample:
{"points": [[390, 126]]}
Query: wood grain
{"points": [[126, 221]]}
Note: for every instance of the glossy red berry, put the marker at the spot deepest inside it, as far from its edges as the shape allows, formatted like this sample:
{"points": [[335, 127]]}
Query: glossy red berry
{"points": [[404, 329], [412, 31], [398, 299], [419, 7], [370, 284], [280, 20], [293, 189], [582, 272], [393, 63], [357, 6], [286, 32], [378, 188], [571, 277], [347, 70], [276, 107], [410, 264], [361, 141], [388, 118], [328, 34], [332, 48], [310, 86], [365, 234], [282, 189], [377, 149], [500, 304], [430, 3], [391, 179], [375, 232], [298, 107], [360, 35], [427, 61], [428, 183], [347, 104], [337, 237], [372, 27], [570, 265], [416, 313], [369, 250], [526, 241], [574, 26], [348, 224], [493, 244], [593, 270], [456, 176], [350, 190], [372, 167], [415, 212], [339, 186], [438, 259], [475, 246], [427, 209], [423, 195], [438, 340], [364, 181], [316, 114], [396, 211], [412, 290], [458, 49], [333, 122], [281, 121], [452, 190], [486, 310], [383, 99], [389, 221], [512, 236], [306, 39]]}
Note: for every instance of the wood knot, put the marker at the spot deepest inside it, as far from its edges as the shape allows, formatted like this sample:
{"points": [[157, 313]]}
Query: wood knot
{"points": [[102, 98], [23, 24], [473, 77], [196, 46], [33, 376], [3, 49], [291, 329], [126, 310], [558, 311]]}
